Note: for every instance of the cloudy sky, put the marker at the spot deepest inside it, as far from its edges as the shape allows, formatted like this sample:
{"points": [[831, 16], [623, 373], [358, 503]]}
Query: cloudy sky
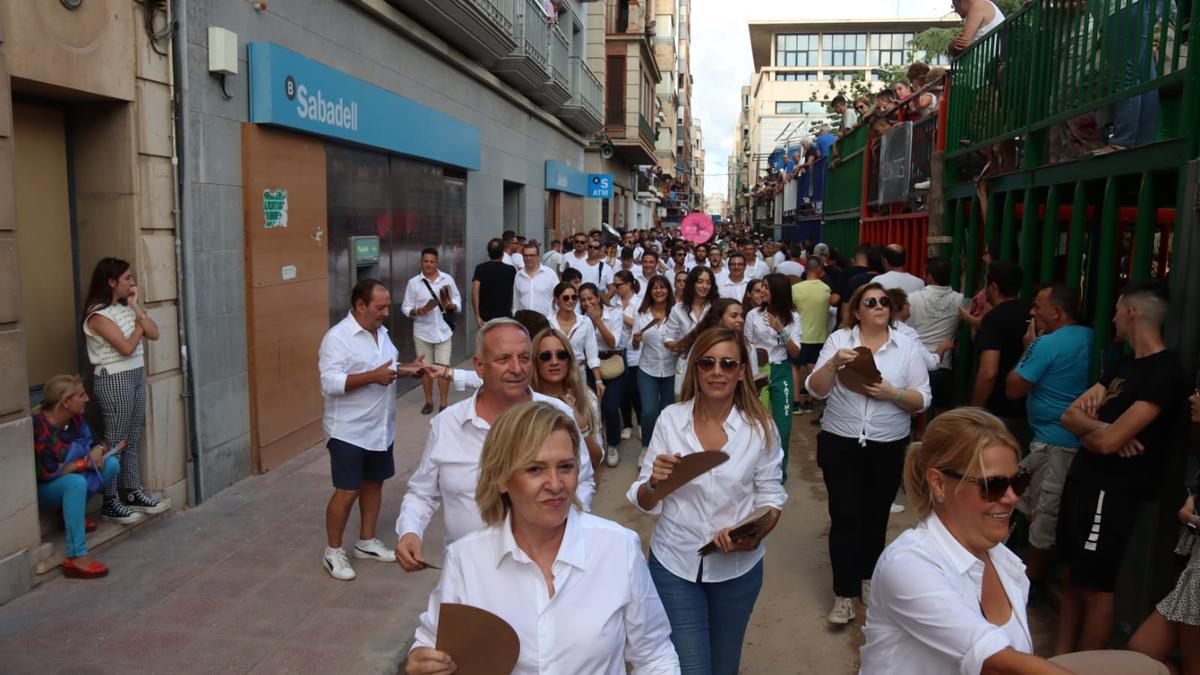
{"points": [[721, 62]]}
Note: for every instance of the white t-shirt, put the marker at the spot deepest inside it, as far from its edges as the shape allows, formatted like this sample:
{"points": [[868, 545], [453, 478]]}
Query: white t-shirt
{"points": [[790, 267], [902, 280]]}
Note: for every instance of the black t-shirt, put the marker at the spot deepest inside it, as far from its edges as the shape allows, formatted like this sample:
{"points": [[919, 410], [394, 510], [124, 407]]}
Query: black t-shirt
{"points": [[855, 282], [495, 288], [1157, 379], [1002, 330], [843, 280]]}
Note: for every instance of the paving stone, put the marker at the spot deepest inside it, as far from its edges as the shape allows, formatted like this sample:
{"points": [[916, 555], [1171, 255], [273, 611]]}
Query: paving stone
{"points": [[179, 610], [220, 654], [143, 646], [256, 618]]}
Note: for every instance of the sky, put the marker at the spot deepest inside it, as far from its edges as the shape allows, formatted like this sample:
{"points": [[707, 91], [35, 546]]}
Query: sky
{"points": [[722, 65]]}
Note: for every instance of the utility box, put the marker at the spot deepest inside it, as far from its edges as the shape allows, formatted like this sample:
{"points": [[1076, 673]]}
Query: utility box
{"points": [[222, 51]]}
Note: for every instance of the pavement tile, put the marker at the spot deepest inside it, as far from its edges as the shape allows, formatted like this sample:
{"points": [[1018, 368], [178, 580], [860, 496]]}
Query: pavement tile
{"points": [[224, 582], [366, 594], [220, 654], [254, 618], [47, 637], [295, 589], [113, 604], [334, 627], [93, 668], [166, 576], [143, 646], [304, 659], [17, 659], [186, 611]]}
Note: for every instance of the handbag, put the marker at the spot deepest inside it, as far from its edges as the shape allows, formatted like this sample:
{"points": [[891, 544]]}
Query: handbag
{"points": [[612, 367], [447, 314]]}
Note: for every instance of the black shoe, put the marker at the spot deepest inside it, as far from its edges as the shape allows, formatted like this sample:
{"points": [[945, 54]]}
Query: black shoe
{"points": [[427, 408], [140, 501], [115, 512]]}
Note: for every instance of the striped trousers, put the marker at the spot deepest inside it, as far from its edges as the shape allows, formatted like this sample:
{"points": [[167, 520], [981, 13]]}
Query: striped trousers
{"points": [[122, 399]]}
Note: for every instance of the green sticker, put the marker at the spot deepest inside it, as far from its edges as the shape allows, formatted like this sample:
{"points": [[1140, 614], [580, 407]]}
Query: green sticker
{"points": [[275, 208]]}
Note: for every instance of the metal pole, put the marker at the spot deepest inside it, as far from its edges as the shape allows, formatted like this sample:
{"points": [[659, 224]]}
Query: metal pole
{"points": [[1143, 231], [954, 216], [1075, 237], [1049, 236], [1028, 253], [1106, 272]]}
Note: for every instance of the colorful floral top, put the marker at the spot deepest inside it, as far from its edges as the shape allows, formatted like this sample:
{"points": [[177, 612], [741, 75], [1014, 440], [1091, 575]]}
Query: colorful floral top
{"points": [[53, 445]]}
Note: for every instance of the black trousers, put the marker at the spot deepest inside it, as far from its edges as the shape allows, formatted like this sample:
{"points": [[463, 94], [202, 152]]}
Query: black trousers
{"points": [[862, 481]]}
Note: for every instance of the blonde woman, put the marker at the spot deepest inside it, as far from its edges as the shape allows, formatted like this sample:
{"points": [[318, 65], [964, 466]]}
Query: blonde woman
{"points": [[574, 587], [948, 596], [709, 599], [556, 374]]}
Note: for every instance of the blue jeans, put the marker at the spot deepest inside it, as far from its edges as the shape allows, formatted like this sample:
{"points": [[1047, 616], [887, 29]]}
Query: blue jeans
{"points": [[657, 393], [708, 620], [1129, 53], [71, 492]]}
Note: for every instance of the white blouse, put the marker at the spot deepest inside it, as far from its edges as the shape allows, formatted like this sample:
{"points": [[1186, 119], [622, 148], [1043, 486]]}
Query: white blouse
{"points": [[761, 336], [613, 317], [633, 356], [655, 360], [682, 320], [925, 616], [605, 610], [691, 516], [901, 361], [583, 340]]}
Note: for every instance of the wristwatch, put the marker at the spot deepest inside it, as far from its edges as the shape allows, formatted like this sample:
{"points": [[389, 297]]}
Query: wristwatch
{"points": [[650, 487]]}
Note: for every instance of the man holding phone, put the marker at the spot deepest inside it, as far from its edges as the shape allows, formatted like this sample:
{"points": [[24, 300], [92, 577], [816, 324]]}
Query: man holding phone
{"points": [[430, 300]]}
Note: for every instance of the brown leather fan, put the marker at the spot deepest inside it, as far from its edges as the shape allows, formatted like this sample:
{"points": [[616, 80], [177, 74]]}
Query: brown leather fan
{"points": [[860, 372], [480, 642]]}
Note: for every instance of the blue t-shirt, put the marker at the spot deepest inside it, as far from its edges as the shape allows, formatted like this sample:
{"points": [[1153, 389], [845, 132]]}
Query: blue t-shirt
{"points": [[1056, 364], [825, 142]]}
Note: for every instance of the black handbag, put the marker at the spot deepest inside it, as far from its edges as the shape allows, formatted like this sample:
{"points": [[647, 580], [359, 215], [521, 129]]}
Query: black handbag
{"points": [[447, 314]]}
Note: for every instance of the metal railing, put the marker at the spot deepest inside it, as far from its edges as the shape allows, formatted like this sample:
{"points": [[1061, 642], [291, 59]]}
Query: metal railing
{"points": [[530, 33], [646, 130], [843, 177], [587, 92], [1054, 60], [924, 139], [560, 58], [500, 11]]}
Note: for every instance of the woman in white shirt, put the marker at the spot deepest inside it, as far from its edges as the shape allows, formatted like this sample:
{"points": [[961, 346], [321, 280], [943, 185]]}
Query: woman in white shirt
{"points": [[656, 364], [574, 587], [698, 293], [709, 598], [579, 331], [611, 336], [948, 597], [628, 297], [775, 328], [556, 374], [861, 445]]}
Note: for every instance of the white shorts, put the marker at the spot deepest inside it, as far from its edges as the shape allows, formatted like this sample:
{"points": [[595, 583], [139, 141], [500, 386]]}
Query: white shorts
{"points": [[434, 352]]}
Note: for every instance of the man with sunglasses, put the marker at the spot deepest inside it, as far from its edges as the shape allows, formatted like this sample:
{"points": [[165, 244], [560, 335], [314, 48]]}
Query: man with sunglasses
{"points": [[594, 269], [579, 256]]}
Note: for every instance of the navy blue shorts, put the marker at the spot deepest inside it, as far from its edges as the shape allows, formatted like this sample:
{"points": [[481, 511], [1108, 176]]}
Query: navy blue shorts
{"points": [[808, 354], [350, 465]]}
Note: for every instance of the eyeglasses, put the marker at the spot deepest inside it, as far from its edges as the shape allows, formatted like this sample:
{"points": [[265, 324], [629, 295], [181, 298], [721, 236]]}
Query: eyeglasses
{"points": [[561, 355], [568, 298], [595, 246], [870, 303], [581, 242], [707, 363], [993, 489]]}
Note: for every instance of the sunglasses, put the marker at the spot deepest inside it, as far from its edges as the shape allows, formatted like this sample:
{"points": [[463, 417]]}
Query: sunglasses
{"points": [[568, 298], [595, 246], [993, 489], [561, 355], [870, 303], [707, 363], [581, 242]]}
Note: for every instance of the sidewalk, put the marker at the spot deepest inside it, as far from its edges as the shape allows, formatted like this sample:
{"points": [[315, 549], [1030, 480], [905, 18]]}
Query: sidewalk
{"points": [[235, 585]]}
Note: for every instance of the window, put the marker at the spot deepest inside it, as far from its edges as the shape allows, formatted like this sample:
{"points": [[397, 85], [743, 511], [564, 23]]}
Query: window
{"points": [[845, 76], [796, 50], [890, 49], [846, 49], [799, 108], [795, 77], [614, 90]]}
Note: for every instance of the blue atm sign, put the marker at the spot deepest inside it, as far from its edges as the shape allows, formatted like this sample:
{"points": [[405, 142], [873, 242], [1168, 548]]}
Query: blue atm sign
{"points": [[599, 186]]}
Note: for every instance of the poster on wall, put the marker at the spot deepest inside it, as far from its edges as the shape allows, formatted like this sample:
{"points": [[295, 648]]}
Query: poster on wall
{"points": [[275, 208]]}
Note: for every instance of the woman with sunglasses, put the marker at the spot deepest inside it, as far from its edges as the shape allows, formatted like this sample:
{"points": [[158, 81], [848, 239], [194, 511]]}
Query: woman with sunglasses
{"points": [[775, 328], [656, 365], [860, 448], [611, 336], [709, 598], [579, 331], [698, 293], [948, 596], [556, 374]]}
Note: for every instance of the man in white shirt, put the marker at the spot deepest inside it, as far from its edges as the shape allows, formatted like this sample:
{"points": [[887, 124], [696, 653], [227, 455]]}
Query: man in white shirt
{"points": [[512, 249], [553, 258], [793, 267], [716, 262], [426, 297], [933, 313], [678, 260], [733, 285], [357, 364], [449, 467], [895, 276], [756, 267], [533, 287], [579, 256], [779, 256], [595, 270]]}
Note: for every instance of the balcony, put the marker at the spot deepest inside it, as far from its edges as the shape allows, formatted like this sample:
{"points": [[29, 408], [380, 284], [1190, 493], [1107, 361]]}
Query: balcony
{"points": [[584, 112], [646, 130], [527, 66], [483, 29], [557, 86]]}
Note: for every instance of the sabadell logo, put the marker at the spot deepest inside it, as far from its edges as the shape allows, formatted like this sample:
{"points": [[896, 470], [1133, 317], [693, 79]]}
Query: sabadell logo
{"points": [[317, 108]]}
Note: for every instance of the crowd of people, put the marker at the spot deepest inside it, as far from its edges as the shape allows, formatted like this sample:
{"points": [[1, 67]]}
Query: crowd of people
{"points": [[715, 347]]}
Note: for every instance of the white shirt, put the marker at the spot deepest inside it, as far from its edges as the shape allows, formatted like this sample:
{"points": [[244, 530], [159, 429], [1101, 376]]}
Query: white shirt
{"points": [[569, 259], [931, 360], [429, 327], [535, 292], [583, 339], [757, 270], [933, 313], [605, 608], [655, 360], [614, 321], [791, 267], [691, 516], [925, 614], [449, 472], [759, 335], [902, 280], [552, 259], [732, 290], [778, 259], [515, 259], [682, 320], [901, 361], [633, 356], [600, 274], [365, 417]]}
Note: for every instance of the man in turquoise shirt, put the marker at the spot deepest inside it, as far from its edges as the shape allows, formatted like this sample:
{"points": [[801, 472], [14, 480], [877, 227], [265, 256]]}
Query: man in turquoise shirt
{"points": [[1051, 374]]}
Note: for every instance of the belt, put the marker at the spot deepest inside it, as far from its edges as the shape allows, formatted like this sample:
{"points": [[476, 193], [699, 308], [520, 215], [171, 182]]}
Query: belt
{"points": [[611, 353]]}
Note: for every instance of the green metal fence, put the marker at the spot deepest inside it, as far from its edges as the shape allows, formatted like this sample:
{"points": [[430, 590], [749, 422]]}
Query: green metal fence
{"points": [[843, 178]]}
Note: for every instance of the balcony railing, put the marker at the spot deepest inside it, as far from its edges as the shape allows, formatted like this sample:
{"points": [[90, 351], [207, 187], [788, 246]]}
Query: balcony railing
{"points": [[588, 93], [500, 11], [646, 129], [560, 59], [531, 33]]}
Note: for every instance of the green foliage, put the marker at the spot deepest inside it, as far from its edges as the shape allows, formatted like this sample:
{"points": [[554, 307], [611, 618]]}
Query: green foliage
{"points": [[936, 41]]}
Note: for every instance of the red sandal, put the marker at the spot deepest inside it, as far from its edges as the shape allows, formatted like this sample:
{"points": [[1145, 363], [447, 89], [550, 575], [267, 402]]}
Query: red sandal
{"points": [[89, 525], [93, 571]]}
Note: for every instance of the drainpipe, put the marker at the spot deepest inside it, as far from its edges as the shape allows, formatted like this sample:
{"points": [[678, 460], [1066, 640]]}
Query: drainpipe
{"points": [[183, 245]]}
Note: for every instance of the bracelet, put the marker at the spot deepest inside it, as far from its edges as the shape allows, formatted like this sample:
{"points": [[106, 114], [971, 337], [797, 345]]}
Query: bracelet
{"points": [[650, 487], [899, 395]]}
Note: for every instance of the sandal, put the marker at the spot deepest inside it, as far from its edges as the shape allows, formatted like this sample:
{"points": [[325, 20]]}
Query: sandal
{"points": [[93, 571], [89, 525]]}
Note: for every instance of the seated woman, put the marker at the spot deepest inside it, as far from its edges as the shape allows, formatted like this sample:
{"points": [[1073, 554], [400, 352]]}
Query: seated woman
{"points": [[71, 468], [947, 596], [574, 587]]}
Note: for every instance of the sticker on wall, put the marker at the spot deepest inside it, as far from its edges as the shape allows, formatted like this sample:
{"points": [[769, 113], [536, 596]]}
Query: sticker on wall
{"points": [[289, 272], [275, 208]]}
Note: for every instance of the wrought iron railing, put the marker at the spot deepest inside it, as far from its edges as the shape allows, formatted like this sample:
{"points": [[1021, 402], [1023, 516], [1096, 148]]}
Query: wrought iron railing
{"points": [[560, 58], [646, 129], [530, 33], [500, 11], [587, 92]]}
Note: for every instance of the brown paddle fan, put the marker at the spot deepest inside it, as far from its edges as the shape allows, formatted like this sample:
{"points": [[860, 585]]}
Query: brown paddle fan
{"points": [[480, 642], [689, 467], [860, 372]]}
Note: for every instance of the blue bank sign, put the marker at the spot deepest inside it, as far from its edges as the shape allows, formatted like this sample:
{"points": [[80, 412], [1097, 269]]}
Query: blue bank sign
{"points": [[290, 90], [599, 185]]}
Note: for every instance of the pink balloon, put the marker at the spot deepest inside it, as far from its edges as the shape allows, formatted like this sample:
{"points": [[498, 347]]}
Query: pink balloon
{"points": [[696, 228]]}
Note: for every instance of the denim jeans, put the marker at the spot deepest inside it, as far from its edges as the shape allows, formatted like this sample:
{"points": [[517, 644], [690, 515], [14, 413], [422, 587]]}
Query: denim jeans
{"points": [[610, 407], [708, 620], [1130, 59], [657, 393], [70, 491], [631, 404]]}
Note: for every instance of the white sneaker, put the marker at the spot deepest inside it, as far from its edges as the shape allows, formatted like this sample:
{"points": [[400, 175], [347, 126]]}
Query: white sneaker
{"points": [[896, 508], [866, 592], [374, 550], [611, 456], [627, 433], [843, 611], [338, 565]]}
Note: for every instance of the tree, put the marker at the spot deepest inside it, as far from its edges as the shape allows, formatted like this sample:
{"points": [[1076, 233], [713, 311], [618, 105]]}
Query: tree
{"points": [[935, 42]]}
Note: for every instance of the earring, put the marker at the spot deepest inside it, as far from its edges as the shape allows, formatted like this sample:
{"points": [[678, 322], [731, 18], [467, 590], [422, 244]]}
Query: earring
{"points": [[941, 499]]}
